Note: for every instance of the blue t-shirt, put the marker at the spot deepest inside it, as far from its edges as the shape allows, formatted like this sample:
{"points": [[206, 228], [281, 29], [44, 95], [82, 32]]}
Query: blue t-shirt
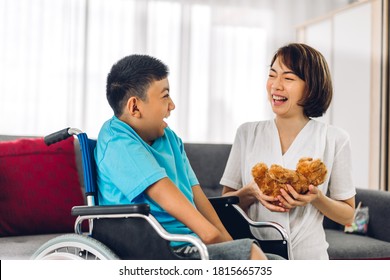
{"points": [[127, 166]]}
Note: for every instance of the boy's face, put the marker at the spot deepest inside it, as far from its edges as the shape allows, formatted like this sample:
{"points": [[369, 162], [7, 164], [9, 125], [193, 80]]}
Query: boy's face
{"points": [[154, 110]]}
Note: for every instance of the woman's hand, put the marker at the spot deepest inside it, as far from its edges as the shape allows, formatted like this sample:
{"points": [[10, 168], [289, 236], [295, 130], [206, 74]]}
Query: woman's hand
{"points": [[254, 194], [250, 194], [295, 199], [270, 203]]}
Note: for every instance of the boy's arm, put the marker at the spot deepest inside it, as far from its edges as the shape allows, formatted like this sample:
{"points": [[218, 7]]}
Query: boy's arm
{"points": [[204, 206], [165, 193]]}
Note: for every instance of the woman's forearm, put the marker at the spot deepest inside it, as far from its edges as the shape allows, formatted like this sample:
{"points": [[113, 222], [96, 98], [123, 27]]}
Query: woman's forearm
{"points": [[247, 196], [339, 211]]}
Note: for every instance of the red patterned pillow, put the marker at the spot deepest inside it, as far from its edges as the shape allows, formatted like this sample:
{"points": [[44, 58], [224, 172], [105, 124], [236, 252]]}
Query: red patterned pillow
{"points": [[38, 187]]}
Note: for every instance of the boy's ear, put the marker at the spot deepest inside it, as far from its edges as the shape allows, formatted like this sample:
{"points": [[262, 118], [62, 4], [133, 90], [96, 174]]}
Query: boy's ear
{"points": [[132, 107]]}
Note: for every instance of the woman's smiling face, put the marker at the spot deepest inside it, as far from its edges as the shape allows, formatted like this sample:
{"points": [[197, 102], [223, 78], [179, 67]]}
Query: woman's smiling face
{"points": [[285, 90]]}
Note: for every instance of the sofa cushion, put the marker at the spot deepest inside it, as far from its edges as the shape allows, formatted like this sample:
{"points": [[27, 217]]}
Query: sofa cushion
{"points": [[38, 187], [22, 247], [344, 245], [378, 203], [208, 162]]}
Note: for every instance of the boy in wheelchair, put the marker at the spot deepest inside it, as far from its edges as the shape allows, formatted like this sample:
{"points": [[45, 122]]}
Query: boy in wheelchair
{"points": [[141, 160]]}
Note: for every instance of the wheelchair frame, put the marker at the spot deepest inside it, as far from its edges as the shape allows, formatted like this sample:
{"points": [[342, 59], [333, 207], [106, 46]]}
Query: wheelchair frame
{"points": [[82, 245]]}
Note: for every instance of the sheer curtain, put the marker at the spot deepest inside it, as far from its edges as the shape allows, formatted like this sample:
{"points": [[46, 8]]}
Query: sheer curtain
{"points": [[55, 56], [216, 57], [41, 65]]}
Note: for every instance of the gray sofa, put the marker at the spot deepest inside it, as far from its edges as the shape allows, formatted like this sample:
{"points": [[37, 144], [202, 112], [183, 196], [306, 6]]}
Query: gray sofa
{"points": [[20, 240], [209, 160], [376, 243]]}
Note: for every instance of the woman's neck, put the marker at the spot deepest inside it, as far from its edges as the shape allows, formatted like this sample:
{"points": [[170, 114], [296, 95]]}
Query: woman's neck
{"points": [[291, 125], [288, 129]]}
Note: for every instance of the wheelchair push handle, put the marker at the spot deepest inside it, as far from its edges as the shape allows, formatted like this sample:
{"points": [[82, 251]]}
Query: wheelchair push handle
{"points": [[60, 135]]}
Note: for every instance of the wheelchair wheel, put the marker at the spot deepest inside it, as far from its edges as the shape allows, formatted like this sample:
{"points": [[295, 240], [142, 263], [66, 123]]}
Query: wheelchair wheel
{"points": [[74, 247]]}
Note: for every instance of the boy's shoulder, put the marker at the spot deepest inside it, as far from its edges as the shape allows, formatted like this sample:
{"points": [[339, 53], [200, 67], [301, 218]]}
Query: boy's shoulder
{"points": [[116, 132], [115, 128], [171, 137], [114, 135]]}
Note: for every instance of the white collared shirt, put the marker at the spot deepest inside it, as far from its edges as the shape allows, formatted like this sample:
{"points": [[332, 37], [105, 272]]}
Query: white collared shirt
{"points": [[259, 142]]}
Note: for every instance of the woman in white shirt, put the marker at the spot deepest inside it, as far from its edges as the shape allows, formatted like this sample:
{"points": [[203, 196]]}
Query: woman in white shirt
{"points": [[299, 88]]}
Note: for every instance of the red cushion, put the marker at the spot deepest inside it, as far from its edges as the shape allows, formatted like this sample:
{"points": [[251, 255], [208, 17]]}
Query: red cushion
{"points": [[38, 187]]}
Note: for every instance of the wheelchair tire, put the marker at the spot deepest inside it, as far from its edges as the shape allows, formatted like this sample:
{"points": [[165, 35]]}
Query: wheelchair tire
{"points": [[74, 247]]}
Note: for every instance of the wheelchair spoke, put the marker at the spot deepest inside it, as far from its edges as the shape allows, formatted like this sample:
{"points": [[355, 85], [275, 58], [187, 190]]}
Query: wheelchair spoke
{"points": [[74, 247]]}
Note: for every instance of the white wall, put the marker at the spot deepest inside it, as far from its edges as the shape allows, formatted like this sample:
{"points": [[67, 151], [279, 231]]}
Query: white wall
{"points": [[345, 39], [352, 73]]}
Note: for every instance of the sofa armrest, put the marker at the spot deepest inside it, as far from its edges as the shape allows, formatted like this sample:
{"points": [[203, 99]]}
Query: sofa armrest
{"points": [[379, 214], [379, 218]]}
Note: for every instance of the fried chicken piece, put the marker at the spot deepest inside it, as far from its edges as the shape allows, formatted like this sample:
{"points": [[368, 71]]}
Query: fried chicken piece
{"points": [[271, 180], [314, 170], [263, 180]]}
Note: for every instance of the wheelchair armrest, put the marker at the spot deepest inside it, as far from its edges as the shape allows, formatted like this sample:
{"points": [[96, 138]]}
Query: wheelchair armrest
{"points": [[133, 211], [202, 249], [111, 210], [232, 202], [223, 200], [253, 223]]}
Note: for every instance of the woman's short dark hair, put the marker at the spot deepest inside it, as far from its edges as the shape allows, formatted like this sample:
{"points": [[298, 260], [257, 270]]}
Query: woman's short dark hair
{"points": [[311, 66], [132, 76]]}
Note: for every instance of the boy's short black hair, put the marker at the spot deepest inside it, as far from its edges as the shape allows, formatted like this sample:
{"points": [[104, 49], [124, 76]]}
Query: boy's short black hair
{"points": [[132, 76], [311, 66]]}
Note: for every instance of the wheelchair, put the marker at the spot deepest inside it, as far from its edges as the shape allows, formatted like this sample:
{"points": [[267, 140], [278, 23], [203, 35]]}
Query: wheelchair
{"points": [[130, 232]]}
